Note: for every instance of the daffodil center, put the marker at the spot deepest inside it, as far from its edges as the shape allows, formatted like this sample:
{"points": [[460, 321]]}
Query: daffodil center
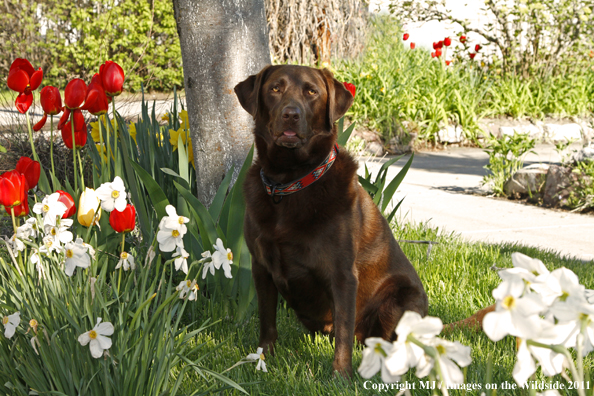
{"points": [[92, 334], [564, 296], [508, 302], [33, 323], [175, 233], [261, 356], [5, 320], [180, 220], [124, 256], [46, 208], [379, 350], [69, 253], [441, 349], [115, 194], [189, 284], [230, 256], [53, 231]]}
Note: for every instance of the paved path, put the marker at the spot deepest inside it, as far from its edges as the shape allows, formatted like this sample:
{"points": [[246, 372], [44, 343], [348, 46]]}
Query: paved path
{"points": [[441, 188]]}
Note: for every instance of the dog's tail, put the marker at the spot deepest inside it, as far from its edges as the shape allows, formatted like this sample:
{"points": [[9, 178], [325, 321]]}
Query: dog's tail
{"points": [[474, 322]]}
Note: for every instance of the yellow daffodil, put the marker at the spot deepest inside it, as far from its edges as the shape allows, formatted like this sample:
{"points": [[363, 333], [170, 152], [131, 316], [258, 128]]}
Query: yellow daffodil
{"points": [[165, 117], [186, 139], [132, 132]]}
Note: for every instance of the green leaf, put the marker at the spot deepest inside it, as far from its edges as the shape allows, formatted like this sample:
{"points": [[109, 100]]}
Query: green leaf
{"points": [[219, 199], [208, 229], [2, 149], [393, 185], [343, 138], [154, 191]]}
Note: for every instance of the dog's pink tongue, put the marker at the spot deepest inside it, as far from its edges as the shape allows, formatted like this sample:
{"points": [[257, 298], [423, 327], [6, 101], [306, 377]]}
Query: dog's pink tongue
{"points": [[289, 133]]}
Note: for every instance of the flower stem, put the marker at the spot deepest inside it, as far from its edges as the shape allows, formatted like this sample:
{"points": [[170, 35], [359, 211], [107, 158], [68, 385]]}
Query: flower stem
{"points": [[74, 152], [52, 149], [101, 147], [13, 219], [82, 173], [121, 251], [35, 157], [115, 134]]}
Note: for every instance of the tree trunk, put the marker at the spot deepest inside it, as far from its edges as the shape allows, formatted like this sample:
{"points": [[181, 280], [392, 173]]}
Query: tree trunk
{"points": [[222, 43]]}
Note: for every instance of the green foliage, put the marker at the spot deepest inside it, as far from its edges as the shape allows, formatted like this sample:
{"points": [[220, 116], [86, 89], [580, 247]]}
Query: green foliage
{"points": [[400, 91], [459, 281], [505, 158], [80, 35], [581, 197], [533, 37]]}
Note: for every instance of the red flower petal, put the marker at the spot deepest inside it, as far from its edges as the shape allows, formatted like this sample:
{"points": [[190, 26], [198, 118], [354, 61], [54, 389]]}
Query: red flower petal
{"points": [[41, 123], [23, 102], [64, 119], [75, 93], [24, 64], [36, 79], [18, 80], [50, 99], [30, 169]]}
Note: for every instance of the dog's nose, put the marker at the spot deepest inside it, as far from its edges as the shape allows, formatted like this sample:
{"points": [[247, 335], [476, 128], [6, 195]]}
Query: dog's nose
{"points": [[291, 113]]}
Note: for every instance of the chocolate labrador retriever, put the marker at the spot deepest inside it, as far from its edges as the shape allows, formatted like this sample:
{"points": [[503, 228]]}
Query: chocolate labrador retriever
{"points": [[315, 235]]}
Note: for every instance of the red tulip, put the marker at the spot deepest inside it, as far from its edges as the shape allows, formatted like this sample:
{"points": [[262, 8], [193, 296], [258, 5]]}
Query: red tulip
{"points": [[472, 55], [437, 53], [433, 54], [462, 39], [12, 188], [75, 94], [97, 102], [123, 221], [412, 45], [67, 200], [447, 41], [31, 169], [80, 134], [405, 36], [477, 48], [435, 45], [112, 77], [23, 78], [51, 103], [448, 62], [79, 119], [20, 210], [351, 88]]}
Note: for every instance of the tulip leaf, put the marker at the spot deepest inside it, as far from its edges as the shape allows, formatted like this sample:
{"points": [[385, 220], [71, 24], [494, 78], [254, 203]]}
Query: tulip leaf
{"points": [[219, 199], [154, 191], [393, 185], [343, 137]]}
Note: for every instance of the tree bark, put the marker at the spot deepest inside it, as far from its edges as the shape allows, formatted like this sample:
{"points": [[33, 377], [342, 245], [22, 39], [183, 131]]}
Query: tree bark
{"points": [[222, 43]]}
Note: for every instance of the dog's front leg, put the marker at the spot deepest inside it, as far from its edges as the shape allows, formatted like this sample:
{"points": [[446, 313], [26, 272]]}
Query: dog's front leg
{"points": [[267, 301], [344, 292]]}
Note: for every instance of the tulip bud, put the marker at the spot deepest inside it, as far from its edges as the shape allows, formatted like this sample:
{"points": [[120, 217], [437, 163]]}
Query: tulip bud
{"points": [[124, 221], [447, 41], [67, 200], [89, 208], [75, 93], [12, 188], [112, 77], [477, 48], [405, 36], [412, 45], [31, 169], [51, 101]]}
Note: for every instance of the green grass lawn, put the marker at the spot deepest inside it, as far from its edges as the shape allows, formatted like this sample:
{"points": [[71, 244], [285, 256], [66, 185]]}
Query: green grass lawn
{"points": [[458, 279]]}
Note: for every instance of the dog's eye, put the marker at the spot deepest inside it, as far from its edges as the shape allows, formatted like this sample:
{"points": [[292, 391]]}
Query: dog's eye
{"points": [[312, 92], [275, 89]]}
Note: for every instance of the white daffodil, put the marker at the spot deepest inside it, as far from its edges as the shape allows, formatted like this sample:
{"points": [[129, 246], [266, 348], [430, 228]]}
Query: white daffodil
{"points": [[170, 238], [258, 357], [35, 343], [112, 195], [550, 362], [26, 231], [15, 244], [50, 245], [76, 256], [10, 323], [126, 261], [97, 338], [181, 262], [188, 287], [60, 232], [373, 360], [405, 354], [222, 257], [50, 208], [447, 352], [532, 265], [173, 221], [566, 284], [513, 314], [577, 314], [208, 264]]}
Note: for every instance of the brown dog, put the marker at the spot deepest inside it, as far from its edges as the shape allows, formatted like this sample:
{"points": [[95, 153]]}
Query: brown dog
{"points": [[315, 235]]}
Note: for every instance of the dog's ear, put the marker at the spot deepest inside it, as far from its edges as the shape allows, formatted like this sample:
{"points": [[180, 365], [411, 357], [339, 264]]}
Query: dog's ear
{"points": [[248, 91], [339, 98]]}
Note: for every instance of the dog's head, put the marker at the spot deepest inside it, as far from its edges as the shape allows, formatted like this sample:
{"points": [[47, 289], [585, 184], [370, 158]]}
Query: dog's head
{"points": [[293, 106]]}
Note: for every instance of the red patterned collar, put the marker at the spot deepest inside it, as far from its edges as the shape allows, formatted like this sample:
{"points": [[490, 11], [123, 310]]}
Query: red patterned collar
{"points": [[275, 189]]}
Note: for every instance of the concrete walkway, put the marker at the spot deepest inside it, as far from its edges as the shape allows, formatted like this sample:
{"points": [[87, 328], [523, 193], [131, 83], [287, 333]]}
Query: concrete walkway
{"points": [[443, 187]]}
